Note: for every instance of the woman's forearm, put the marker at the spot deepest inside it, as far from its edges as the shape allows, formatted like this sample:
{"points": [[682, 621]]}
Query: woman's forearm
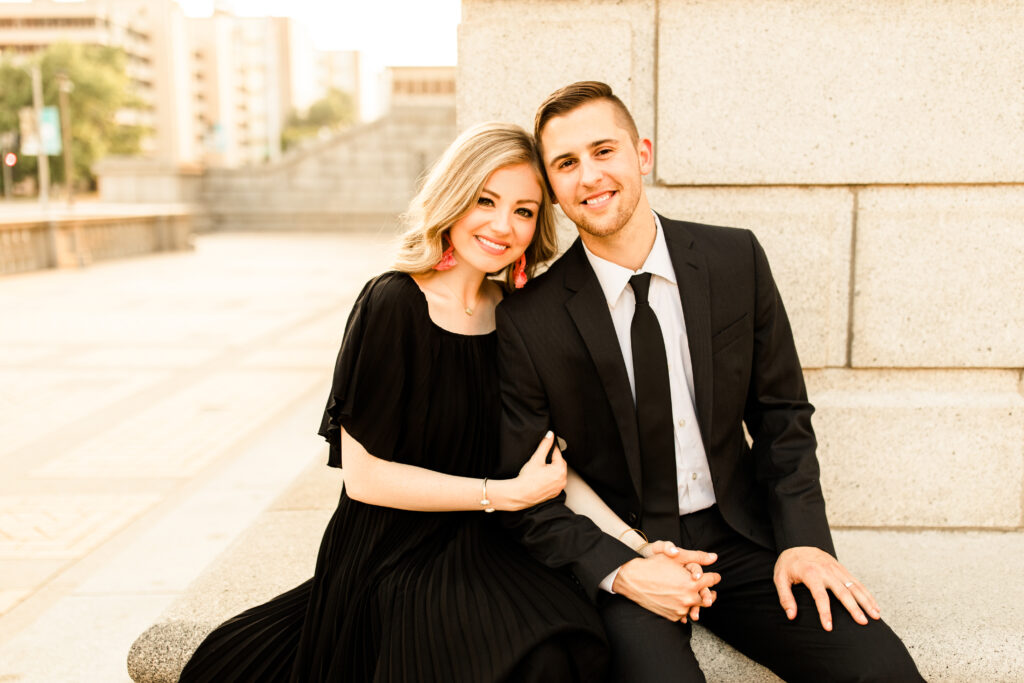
{"points": [[374, 481], [582, 500]]}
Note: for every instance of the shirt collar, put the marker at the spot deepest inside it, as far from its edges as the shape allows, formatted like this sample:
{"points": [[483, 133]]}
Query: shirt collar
{"points": [[613, 278]]}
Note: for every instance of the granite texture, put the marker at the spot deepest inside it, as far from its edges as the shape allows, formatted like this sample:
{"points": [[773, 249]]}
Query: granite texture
{"points": [[806, 234], [508, 67], [937, 448], [939, 277], [814, 92], [921, 578]]}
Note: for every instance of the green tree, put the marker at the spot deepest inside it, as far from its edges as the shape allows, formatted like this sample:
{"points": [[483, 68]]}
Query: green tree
{"points": [[101, 91], [334, 111]]}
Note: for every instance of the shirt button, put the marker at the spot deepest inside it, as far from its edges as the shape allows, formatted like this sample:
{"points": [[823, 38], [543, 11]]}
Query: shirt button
{"points": [[694, 476], [682, 423]]}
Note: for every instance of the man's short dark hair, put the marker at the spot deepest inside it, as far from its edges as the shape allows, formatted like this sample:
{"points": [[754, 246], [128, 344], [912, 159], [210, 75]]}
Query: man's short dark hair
{"points": [[565, 100]]}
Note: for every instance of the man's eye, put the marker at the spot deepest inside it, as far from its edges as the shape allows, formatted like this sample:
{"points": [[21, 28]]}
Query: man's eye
{"points": [[603, 151], [525, 213], [485, 201]]}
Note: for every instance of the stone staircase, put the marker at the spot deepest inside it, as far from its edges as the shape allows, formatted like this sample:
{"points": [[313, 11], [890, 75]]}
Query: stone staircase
{"points": [[360, 179]]}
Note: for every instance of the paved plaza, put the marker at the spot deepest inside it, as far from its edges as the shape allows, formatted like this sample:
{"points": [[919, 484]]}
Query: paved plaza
{"points": [[150, 409]]}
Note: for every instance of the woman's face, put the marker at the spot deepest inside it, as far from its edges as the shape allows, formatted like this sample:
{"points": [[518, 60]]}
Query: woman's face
{"points": [[497, 230]]}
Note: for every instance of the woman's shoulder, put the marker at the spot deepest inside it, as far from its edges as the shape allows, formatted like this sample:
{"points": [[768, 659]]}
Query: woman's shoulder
{"points": [[390, 291]]}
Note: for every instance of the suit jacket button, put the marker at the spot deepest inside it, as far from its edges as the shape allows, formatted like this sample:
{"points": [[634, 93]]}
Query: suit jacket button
{"points": [[632, 518]]}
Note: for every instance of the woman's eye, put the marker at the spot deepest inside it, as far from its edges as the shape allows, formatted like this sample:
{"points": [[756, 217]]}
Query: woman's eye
{"points": [[566, 164], [485, 201], [525, 213]]}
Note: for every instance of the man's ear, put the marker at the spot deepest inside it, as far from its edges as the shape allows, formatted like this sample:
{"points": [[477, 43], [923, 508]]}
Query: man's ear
{"points": [[645, 152]]}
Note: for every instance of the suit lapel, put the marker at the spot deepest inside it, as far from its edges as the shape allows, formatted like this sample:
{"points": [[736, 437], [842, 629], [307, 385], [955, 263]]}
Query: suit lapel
{"points": [[694, 291], [589, 311]]}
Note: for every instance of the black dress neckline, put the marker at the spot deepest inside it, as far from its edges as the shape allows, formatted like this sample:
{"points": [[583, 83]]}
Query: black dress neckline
{"points": [[426, 312]]}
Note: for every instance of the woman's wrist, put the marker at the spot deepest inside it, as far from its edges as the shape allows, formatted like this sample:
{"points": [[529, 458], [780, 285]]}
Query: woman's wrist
{"points": [[485, 496], [501, 493], [636, 540]]}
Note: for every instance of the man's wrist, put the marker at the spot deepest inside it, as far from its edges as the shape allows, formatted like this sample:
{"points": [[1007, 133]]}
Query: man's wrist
{"points": [[619, 582]]}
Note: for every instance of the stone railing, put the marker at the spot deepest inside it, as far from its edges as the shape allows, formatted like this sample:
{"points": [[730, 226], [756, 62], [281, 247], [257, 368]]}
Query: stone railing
{"points": [[29, 244]]}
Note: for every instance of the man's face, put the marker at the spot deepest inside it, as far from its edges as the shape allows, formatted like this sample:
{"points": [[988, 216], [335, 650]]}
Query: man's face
{"points": [[594, 168]]}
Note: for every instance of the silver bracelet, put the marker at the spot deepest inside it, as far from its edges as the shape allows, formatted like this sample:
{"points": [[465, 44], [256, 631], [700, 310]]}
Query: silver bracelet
{"points": [[484, 501]]}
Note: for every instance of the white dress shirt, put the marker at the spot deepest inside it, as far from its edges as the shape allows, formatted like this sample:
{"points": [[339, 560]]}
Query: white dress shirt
{"points": [[693, 477]]}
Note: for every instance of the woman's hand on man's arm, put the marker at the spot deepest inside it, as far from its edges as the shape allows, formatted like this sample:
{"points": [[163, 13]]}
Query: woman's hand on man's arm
{"points": [[375, 481]]}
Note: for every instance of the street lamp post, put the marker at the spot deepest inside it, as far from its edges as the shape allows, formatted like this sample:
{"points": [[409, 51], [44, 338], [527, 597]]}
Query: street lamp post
{"points": [[44, 161], [65, 86]]}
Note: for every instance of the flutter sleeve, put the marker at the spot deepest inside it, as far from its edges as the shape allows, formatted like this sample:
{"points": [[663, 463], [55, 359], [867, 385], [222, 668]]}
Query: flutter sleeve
{"points": [[369, 375]]}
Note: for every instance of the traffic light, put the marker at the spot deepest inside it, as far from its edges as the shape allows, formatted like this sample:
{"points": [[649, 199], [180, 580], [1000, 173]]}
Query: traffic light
{"points": [[10, 159]]}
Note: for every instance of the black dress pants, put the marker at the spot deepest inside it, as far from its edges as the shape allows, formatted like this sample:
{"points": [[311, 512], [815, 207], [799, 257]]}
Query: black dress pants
{"points": [[747, 615]]}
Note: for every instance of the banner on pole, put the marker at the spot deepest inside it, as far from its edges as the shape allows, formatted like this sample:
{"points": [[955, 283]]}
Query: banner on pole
{"points": [[46, 132]]}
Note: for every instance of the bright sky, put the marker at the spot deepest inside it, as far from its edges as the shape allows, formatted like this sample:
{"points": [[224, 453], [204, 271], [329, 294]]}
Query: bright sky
{"points": [[402, 32], [386, 32]]}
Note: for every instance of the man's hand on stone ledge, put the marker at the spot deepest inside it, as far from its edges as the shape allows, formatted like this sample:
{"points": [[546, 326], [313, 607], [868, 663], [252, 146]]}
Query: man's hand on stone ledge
{"points": [[821, 573]]}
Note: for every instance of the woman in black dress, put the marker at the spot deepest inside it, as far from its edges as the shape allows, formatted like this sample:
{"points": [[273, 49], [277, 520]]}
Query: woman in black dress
{"points": [[415, 582]]}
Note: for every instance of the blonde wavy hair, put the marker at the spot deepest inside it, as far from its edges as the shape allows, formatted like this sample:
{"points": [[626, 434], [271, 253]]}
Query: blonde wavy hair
{"points": [[453, 186]]}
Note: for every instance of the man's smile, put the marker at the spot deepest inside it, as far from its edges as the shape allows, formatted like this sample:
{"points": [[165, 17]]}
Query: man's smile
{"points": [[599, 199]]}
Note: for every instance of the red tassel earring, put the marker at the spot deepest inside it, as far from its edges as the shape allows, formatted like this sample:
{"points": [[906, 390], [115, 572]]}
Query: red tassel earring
{"points": [[447, 261], [520, 271]]}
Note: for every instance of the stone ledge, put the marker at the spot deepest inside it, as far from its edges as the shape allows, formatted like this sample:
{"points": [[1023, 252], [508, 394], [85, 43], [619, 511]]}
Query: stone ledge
{"points": [[919, 577]]}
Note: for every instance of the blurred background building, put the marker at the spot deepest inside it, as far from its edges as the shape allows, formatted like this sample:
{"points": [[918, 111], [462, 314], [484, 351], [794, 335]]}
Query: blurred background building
{"points": [[214, 90]]}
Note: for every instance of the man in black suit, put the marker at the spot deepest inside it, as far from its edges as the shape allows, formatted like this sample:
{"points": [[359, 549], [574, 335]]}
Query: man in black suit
{"points": [[648, 347]]}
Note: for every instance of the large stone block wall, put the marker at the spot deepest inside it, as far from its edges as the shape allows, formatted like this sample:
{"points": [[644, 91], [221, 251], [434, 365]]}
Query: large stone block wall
{"points": [[874, 148], [840, 91]]}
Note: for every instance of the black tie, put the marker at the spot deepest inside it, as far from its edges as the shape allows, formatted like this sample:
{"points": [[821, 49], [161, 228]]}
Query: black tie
{"points": [[654, 419]]}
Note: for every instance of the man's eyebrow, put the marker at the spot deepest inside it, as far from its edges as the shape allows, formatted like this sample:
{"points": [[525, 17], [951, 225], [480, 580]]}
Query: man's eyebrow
{"points": [[592, 145]]}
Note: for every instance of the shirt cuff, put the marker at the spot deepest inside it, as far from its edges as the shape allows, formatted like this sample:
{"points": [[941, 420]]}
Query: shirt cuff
{"points": [[608, 581]]}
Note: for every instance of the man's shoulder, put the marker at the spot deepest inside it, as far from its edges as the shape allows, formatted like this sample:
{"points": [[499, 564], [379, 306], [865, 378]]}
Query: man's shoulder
{"points": [[705, 232], [721, 245], [543, 291]]}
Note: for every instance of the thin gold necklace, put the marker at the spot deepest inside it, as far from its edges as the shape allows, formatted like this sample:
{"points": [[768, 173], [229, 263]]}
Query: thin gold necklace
{"points": [[466, 308]]}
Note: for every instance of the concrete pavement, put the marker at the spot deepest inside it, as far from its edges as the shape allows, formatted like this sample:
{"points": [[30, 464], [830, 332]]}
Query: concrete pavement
{"points": [[150, 409]]}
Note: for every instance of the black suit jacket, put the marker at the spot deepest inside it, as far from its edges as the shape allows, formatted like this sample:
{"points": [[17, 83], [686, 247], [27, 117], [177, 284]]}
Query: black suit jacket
{"points": [[562, 369]]}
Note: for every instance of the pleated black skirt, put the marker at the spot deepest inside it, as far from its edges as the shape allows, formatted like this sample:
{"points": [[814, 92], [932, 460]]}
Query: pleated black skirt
{"points": [[437, 597]]}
